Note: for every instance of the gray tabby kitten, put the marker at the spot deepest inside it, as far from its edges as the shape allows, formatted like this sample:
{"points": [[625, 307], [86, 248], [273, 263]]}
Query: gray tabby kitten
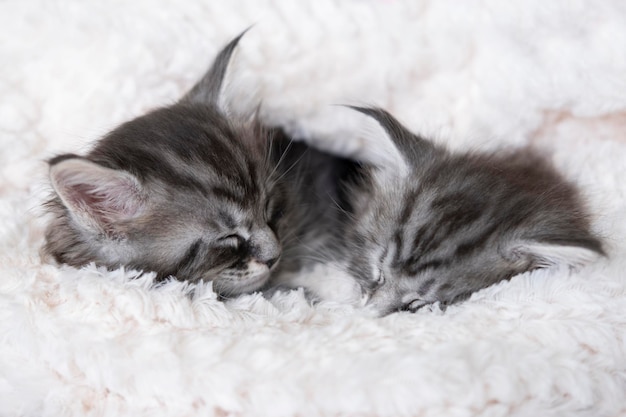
{"points": [[451, 224], [189, 192]]}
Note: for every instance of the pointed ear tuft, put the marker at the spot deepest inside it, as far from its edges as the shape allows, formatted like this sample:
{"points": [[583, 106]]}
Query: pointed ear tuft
{"points": [[98, 198], [546, 254], [208, 89], [412, 147]]}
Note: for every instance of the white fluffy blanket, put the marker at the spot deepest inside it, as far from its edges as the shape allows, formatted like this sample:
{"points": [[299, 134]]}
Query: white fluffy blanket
{"points": [[471, 74]]}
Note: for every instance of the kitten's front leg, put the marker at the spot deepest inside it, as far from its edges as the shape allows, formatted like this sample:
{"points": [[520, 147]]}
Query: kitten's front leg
{"points": [[320, 282], [270, 291]]}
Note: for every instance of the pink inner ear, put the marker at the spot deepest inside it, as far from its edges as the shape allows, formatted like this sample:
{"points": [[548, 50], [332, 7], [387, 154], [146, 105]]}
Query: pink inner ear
{"points": [[97, 197], [83, 194], [112, 201]]}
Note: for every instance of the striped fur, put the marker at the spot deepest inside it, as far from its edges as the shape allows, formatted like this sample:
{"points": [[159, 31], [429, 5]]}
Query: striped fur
{"points": [[188, 192], [457, 223]]}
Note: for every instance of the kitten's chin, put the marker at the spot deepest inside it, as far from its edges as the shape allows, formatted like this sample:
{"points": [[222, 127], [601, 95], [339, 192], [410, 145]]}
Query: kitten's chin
{"points": [[255, 282], [230, 287]]}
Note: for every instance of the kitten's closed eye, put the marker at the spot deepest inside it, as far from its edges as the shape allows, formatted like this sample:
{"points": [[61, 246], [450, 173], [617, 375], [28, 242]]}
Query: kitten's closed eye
{"points": [[413, 302], [233, 240]]}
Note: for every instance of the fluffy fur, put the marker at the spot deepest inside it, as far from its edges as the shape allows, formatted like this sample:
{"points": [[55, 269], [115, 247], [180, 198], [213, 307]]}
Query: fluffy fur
{"points": [[447, 225], [183, 191], [472, 75], [191, 193]]}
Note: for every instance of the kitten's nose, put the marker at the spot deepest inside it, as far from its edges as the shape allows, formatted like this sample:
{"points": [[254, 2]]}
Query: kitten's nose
{"points": [[265, 247]]}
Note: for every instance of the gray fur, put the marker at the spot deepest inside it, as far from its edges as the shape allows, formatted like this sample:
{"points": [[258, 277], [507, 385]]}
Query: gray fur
{"points": [[453, 224], [187, 192], [208, 89]]}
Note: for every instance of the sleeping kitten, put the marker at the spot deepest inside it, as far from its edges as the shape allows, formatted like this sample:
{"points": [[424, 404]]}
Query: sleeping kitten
{"points": [[451, 224], [189, 192]]}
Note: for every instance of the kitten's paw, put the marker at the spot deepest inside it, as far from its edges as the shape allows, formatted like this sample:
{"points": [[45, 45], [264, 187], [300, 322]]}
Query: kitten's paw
{"points": [[309, 295]]}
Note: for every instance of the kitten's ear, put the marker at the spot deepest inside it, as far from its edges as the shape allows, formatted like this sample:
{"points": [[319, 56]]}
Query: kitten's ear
{"points": [[412, 147], [574, 253], [98, 198], [208, 89]]}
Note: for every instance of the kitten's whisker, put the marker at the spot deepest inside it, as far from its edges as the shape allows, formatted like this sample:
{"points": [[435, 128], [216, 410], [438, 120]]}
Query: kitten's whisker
{"points": [[292, 166], [269, 150], [349, 215], [280, 160]]}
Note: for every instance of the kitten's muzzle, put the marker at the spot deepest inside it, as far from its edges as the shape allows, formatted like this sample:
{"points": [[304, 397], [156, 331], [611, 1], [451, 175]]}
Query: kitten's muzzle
{"points": [[264, 247]]}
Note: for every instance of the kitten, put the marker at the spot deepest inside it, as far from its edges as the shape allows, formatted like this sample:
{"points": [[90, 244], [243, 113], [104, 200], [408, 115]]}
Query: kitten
{"points": [[451, 224], [189, 192]]}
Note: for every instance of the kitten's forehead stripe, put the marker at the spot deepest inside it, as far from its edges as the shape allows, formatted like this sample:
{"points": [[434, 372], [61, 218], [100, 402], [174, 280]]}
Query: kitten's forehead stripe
{"points": [[229, 163], [181, 146], [252, 173], [227, 220], [229, 194], [425, 240], [398, 242], [140, 161], [409, 205], [426, 286], [469, 246], [414, 268], [457, 210], [447, 216]]}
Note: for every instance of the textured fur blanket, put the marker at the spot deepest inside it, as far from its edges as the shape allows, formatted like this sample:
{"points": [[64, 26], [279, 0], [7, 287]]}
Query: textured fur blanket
{"points": [[470, 74]]}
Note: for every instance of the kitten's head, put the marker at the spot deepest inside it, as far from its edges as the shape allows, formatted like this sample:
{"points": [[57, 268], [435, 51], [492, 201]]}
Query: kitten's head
{"points": [[445, 225], [183, 191]]}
